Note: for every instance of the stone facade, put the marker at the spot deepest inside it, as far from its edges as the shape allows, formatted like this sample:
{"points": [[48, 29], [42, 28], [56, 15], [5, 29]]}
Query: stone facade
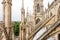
{"points": [[48, 19]]}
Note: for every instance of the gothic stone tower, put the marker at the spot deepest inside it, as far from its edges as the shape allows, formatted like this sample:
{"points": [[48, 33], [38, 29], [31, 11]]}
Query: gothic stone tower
{"points": [[7, 7], [38, 10], [22, 13], [22, 26]]}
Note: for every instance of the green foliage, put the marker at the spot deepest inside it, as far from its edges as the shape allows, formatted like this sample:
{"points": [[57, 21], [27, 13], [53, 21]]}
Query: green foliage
{"points": [[16, 28]]}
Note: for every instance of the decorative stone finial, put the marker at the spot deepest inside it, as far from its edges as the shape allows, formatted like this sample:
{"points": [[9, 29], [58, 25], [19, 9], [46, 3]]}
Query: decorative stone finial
{"points": [[22, 3]]}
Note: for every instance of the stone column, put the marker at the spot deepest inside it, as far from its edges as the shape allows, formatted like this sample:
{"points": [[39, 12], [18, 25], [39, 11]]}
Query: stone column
{"points": [[27, 34], [34, 19], [8, 24], [22, 33], [3, 10], [22, 25], [8, 15]]}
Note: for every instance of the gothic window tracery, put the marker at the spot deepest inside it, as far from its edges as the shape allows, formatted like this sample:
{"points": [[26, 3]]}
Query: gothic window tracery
{"points": [[38, 8]]}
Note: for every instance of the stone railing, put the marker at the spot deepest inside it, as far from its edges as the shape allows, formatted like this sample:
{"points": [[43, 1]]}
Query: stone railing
{"points": [[49, 30]]}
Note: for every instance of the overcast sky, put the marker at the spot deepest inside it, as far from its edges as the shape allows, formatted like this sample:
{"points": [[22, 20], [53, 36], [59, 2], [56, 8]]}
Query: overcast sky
{"points": [[16, 8]]}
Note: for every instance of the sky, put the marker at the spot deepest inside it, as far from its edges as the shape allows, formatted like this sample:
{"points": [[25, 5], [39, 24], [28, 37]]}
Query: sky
{"points": [[16, 8]]}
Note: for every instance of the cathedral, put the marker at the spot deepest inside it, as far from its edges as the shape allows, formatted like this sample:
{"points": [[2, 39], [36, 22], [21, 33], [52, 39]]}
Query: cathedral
{"points": [[31, 25], [48, 19]]}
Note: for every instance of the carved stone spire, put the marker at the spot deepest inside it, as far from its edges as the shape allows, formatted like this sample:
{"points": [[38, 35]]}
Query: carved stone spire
{"points": [[22, 9], [22, 13], [22, 3], [22, 29]]}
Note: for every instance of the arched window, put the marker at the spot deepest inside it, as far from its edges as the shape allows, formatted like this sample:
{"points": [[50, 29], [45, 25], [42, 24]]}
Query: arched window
{"points": [[38, 8], [37, 20]]}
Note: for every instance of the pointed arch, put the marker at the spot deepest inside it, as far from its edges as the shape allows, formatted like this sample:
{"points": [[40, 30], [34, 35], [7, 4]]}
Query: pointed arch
{"points": [[37, 20]]}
